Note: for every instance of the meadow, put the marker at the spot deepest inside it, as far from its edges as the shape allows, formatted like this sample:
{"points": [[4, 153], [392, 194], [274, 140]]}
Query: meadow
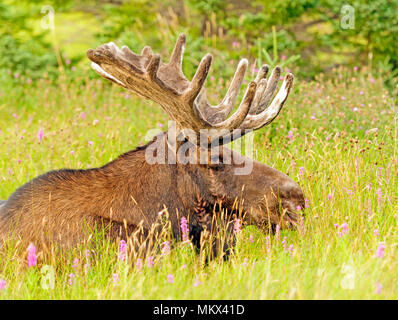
{"points": [[336, 136]]}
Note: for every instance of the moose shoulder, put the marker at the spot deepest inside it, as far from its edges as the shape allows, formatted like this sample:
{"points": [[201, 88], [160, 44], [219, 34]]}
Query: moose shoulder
{"points": [[127, 193]]}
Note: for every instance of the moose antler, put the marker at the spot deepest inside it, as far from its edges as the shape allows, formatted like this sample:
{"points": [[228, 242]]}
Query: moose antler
{"points": [[185, 102]]}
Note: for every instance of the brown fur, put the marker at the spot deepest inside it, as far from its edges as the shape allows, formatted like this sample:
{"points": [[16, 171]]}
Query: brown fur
{"points": [[126, 194], [63, 206]]}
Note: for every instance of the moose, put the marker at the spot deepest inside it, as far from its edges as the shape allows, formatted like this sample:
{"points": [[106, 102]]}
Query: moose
{"points": [[130, 191]]}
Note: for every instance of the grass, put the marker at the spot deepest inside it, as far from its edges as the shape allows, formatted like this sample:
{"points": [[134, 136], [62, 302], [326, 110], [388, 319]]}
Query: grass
{"points": [[348, 174]]}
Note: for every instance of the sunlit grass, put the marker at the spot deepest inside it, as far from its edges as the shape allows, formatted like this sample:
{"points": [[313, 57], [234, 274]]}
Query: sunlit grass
{"points": [[349, 175]]}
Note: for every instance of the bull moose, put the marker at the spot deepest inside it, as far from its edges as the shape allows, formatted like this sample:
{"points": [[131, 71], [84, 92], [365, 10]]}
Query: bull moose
{"points": [[130, 191]]}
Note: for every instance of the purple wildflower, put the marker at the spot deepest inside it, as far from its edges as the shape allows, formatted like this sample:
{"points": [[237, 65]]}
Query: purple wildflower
{"points": [[115, 278], [32, 258], [150, 262], [138, 264], [2, 284], [71, 279], [379, 286], [284, 243], [291, 249], [122, 250], [75, 263], [184, 229], [380, 250], [170, 278], [197, 283], [237, 226], [166, 248], [344, 228], [40, 135]]}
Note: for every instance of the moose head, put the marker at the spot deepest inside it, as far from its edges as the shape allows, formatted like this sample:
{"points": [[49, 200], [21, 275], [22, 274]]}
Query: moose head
{"points": [[186, 169]]}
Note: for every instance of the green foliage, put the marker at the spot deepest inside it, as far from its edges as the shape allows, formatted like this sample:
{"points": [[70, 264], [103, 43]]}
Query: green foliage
{"points": [[310, 29]]}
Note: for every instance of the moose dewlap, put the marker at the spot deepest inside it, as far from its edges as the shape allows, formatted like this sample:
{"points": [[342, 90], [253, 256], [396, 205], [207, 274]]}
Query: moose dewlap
{"points": [[64, 206]]}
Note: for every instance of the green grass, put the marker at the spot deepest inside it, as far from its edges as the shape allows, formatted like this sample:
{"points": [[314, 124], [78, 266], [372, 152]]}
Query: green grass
{"points": [[330, 141]]}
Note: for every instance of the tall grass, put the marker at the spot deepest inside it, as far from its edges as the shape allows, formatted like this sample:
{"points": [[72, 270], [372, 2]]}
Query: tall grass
{"points": [[336, 136]]}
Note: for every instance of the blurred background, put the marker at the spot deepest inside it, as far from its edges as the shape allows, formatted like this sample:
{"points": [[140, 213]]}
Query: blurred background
{"points": [[50, 38]]}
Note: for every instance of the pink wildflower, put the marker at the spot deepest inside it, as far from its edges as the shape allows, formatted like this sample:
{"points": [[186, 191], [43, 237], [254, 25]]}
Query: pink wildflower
{"points": [[284, 243], [237, 226], [166, 248], [122, 250], [302, 171], [170, 278], [2, 284], [71, 279], [138, 264], [150, 262], [75, 263], [379, 287], [197, 283], [380, 250], [40, 135], [32, 258], [376, 232], [115, 278], [344, 228], [184, 229]]}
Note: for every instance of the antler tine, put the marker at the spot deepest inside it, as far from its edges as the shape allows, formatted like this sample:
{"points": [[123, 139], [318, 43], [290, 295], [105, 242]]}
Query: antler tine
{"points": [[227, 104], [178, 52], [262, 73], [269, 91], [198, 79], [261, 87], [239, 116], [147, 51], [153, 66], [268, 115]]}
